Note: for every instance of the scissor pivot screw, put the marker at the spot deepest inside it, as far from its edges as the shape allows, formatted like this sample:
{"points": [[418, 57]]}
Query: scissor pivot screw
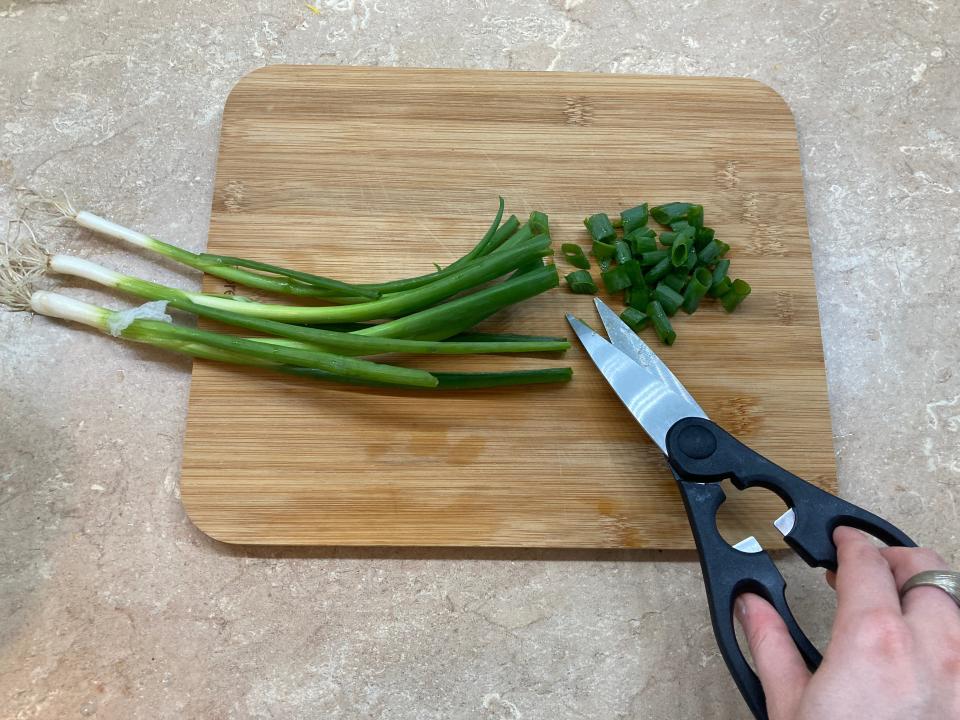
{"points": [[696, 442]]}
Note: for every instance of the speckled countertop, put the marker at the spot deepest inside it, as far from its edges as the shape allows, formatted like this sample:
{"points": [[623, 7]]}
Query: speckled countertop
{"points": [[112, 605]]}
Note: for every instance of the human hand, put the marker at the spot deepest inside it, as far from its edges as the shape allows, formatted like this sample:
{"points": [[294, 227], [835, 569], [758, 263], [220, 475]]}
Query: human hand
{"points": [[886, 660]]}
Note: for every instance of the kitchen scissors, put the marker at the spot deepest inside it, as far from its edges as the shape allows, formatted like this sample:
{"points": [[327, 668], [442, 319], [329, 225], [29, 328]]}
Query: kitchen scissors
{"points": [[700, 454]]}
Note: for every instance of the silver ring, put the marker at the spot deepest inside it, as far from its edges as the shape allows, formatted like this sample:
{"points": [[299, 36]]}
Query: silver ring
{"points": [[946, 580]]}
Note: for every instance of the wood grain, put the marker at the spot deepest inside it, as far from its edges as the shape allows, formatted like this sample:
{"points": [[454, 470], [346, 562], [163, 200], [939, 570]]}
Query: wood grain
{"points": [[375, 173]]}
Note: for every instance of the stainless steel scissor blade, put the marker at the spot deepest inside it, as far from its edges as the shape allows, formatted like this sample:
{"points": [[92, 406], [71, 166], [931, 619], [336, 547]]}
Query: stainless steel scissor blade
{"points": [[655, 403], [629, 343]]}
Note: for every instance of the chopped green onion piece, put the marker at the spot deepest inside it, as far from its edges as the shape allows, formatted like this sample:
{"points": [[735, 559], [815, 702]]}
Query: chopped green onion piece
{"points": [[634, 271], [675, 280], [615, 279], [695, 216], [600, 227], [602, 250], [605, 264], [709, 252], [622, 252], [671, 212], [575, 256], [680, 250], [692, 260], [661, 323], [668, 298], [720, 272], [637, 296], [667, 237], [641, 242], [735, 295], [724, 248], [703, 236], [658, 271], [653, 257], [635, 319], [539, 222], [635, 217], [581, 282], [696, 289], [719, 289], [681, 226]]}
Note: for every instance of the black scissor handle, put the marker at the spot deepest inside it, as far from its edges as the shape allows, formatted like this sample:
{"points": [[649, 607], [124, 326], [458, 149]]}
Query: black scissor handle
{"points": [[728, 573], [700, 454], [701, 451]]}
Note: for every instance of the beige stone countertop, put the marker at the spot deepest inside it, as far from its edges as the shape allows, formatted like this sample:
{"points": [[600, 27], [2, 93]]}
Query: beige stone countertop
{"points": [[113, 605]]}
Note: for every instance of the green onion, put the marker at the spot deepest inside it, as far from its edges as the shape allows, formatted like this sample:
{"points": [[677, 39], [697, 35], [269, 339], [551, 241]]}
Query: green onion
{"points": [[539, 222], [463, 380], [480, 271], [634, 218], [462, 313], [658, 271], [720, 272], [719, 289], [634, 271], [735, 295], [709, 252], [615, 279], [696, 289], [695, 216], [676, 280], [637, 296], [155, 332], [574, 255], [661, 323], [622, 252], [680, 250], [346, 343], [635, 319], [602, 250], [671, 212], [668, 298], [654, 257], [581, 282], [641, 242], [703, 236], [600, 227]]}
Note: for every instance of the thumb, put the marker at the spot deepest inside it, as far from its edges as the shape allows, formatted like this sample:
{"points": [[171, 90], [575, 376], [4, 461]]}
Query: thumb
{"points": [[779, 665]]}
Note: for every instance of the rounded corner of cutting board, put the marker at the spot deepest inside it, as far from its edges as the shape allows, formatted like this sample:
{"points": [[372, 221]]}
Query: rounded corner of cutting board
{"points": [[770, 93], [198, 523]]}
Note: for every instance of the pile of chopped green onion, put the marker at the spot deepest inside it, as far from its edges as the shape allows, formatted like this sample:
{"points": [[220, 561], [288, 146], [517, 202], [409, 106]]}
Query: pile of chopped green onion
{"points": [[658, 273], [426, 314]]}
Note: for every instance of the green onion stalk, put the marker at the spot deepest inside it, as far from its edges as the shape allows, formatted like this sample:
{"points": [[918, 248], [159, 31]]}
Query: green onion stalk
{"points": [[149, 324], [275, 279]]}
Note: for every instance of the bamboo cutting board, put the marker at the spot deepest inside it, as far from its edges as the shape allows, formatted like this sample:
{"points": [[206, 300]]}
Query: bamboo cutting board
{"points": [[370, 173]]}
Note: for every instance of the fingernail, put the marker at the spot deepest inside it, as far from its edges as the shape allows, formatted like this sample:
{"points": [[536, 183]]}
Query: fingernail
{"points": [[740, 609]]}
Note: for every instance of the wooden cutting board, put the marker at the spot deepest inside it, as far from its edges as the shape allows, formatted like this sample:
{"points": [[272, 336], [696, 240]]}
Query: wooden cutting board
{"points": [[372, 173]]}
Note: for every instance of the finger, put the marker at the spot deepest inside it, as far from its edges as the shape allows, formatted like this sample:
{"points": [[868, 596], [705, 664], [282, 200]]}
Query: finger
{"points": [[831, 578], [927, 601], [864, 582], [780, 666]]}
